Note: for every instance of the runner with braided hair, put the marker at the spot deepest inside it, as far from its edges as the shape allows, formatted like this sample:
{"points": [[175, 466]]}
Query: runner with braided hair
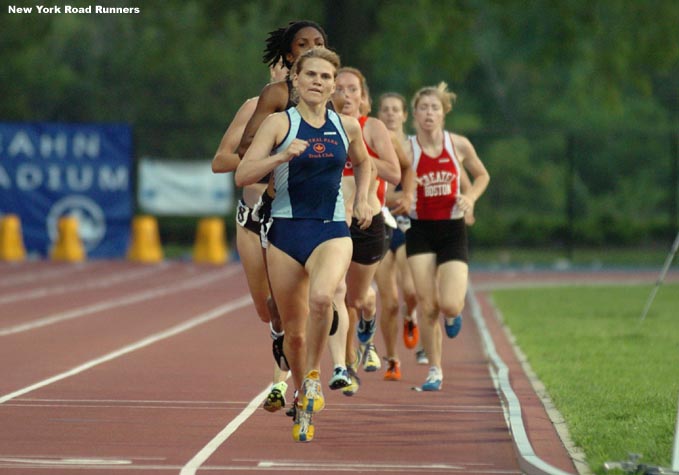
{"points": [[285, 45]]}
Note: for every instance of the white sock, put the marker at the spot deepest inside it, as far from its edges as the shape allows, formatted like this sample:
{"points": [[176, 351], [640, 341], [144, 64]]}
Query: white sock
{"points": [[274, 333]]}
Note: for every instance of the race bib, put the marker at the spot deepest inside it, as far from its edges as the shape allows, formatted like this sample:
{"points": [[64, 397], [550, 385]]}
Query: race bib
{"points": [[264, 227], [242, 214]]}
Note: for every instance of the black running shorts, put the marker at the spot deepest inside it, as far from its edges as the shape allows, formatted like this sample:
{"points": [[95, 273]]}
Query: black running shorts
{"points": [[447, 239], [369, 244]]}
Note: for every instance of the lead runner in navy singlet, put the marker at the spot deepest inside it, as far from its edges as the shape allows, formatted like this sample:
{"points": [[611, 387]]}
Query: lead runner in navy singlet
{"points": [[308, 207]]}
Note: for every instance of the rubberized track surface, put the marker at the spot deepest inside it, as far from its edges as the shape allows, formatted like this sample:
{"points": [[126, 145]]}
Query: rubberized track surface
{"points": [[115, 367]]}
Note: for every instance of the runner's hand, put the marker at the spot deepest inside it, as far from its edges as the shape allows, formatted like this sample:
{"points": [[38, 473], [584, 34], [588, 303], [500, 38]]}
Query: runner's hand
{"points": [[295, 149], [363, 214]]}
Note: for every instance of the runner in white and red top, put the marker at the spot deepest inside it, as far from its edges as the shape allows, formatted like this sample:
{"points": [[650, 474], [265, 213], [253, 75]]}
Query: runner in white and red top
{"points": [[438, 183], [436, 243]]}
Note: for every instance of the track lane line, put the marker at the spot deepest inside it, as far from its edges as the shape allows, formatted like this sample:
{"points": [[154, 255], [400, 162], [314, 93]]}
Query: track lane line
{"points": [[529, 462], [190, 283], [31, 275], [201, 457], [118, 277], [175, 330]]}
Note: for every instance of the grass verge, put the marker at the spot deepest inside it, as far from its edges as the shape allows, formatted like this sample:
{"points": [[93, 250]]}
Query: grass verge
{"points": [[614, 380]]}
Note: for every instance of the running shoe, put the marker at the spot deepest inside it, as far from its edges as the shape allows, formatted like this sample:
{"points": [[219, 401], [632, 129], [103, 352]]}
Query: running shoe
{"points": [[434, 380], [302, 428], [366, 329], [453, 326], [355, 383], [275, 400], [278, 355], [311, 399], [371, 360], [411, 333], [340, 378], [393, 371], [421, 356]]}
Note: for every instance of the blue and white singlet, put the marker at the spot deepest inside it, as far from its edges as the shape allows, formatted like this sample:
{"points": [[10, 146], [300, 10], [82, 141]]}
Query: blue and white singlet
{"points": [[309, 186]]}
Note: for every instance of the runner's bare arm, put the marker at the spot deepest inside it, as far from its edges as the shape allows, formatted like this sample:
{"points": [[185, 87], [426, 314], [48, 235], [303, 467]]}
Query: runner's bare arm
{"points": [[226, 159], [273, 98]]}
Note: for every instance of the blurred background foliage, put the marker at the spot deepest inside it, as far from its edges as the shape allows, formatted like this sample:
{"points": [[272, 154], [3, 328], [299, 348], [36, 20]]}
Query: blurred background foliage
{"points": [[573, 105]]}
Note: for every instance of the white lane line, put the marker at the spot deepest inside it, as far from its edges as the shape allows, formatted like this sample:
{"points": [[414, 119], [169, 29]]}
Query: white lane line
{"points": [[529, 462], [344, 466], [338, 468], [205, 453], [188, 284], [216, 405], [177, 329], [46, 273], [30, 401], [65, 461], [90, 284]]}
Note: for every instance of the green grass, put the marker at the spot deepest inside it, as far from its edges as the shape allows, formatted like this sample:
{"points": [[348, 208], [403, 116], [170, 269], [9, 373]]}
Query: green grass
{"points": [[614, 380], [581, 257]]}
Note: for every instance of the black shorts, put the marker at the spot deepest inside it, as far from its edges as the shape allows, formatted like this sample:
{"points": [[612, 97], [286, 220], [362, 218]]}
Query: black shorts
{"points": [[369, 244], [447, 239], [244, 218]]}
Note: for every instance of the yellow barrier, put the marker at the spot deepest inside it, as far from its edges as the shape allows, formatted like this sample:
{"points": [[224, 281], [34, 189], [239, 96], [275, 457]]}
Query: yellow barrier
{"points": [[210, 245], [69, 246], [11, 239], [145, 246]]}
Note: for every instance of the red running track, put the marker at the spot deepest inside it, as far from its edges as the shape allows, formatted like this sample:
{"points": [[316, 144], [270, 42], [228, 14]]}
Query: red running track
{"points": [[116, 367]]}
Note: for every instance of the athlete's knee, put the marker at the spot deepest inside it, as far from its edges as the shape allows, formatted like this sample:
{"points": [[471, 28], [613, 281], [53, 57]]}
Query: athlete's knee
{"points": [[452, 303], [341, 291], [320, 302], [356, 302], [370, 303], [452, 307], [389, 307]]}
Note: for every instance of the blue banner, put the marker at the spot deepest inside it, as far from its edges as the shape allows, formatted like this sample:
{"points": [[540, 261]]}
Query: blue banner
{"points": [[50, 170]]}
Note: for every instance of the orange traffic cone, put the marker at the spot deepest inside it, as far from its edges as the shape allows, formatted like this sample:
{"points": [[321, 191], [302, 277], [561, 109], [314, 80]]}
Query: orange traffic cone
{"points": [[11, 239], [69, 246], [145, 246], [210, 245]]}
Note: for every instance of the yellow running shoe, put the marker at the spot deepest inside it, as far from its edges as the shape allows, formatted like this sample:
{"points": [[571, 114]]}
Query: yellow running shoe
{"points": [[303, 428], [355, 383], [312, 399]]}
